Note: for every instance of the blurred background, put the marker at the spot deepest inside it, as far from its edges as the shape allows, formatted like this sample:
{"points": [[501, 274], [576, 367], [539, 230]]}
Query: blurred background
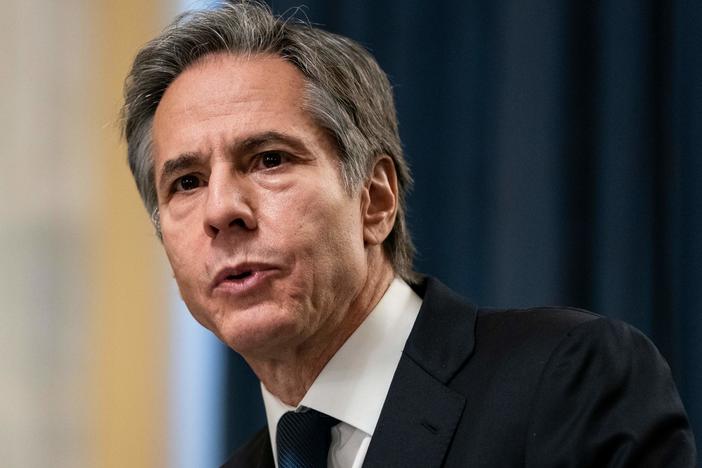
{"points": [[556, 153]]}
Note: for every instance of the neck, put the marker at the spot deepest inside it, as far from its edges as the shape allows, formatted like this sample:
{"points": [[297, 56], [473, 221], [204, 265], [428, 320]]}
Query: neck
{"points": [[292, 373]]}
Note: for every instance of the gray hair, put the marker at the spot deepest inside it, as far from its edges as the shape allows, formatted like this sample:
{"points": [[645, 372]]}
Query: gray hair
{"points": [[346, 93]]}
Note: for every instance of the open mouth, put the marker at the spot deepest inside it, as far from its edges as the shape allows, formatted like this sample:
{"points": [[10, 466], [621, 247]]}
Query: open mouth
{"points": [[243, 278], [240, 276]]}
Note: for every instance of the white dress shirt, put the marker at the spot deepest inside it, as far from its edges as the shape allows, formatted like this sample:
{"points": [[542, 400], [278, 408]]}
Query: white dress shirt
{"points": [[353, 385]]}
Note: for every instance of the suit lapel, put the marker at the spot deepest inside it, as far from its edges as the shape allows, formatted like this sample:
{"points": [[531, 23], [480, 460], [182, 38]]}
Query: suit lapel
{"points": [[421, 412], [265, 459], [257, 453]]}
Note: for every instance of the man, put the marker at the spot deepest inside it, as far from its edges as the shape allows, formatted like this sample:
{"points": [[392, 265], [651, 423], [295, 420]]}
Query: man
{"points": [[268, 154]]}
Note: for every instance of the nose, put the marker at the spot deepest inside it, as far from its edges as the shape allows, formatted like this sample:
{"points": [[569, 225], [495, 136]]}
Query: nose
{"points": [[229, 205]]}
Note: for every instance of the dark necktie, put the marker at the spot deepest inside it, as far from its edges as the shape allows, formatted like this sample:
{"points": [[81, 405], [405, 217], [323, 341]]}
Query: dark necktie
{"points": [[303, 439]]}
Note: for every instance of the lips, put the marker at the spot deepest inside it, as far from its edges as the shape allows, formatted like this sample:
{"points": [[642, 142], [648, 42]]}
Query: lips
{"points": [[242, 278]]}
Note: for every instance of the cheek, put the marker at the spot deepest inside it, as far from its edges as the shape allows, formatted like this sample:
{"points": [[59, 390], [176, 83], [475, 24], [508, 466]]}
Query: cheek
{"points": [[182, 251], [336, 240], [175, 248], [319, 223], [320, 230]]}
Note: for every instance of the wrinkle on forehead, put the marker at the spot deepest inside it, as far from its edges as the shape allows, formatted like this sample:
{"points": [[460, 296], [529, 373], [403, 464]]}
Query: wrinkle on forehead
{"points": [[202, 84], [266, 84]]}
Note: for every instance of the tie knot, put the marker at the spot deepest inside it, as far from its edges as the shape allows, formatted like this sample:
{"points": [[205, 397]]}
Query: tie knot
{"points": [[303, 439]]}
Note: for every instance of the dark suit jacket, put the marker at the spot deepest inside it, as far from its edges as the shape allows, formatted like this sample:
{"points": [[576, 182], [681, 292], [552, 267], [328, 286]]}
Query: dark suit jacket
{"points": [[546, 387]]}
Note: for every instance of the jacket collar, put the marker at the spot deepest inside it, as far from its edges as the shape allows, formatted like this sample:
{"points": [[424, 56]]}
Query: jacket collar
{"points": [[421, 412], [443, 336]]}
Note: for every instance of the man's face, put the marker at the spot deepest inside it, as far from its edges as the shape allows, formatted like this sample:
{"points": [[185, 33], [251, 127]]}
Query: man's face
{"points": [[266, 245]]}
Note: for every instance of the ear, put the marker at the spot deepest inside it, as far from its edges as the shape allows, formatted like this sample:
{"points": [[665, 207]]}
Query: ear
{"points": [[380, 202]]}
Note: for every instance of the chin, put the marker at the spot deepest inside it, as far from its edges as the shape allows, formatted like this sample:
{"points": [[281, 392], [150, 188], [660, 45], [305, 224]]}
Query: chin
{"points": [[260, 331]]}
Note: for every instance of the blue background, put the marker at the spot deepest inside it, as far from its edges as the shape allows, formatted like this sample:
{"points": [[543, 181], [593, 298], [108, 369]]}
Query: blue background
{"points": [[556, 152]]}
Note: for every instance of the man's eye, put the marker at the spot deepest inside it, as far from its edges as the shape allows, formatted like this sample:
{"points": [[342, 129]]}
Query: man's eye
{"points": [[272, 159], [187, 182]]}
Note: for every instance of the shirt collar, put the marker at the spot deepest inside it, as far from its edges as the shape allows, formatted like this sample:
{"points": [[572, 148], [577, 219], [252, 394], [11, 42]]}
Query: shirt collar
{"points": [[354, 383]]}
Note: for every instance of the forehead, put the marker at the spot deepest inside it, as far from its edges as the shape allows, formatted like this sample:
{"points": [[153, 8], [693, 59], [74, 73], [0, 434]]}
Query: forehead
{"points": [[228, 95], [237, 75]]}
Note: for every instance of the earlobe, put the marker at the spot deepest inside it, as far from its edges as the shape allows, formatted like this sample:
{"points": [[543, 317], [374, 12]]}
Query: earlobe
{"points": [[380, 207]]}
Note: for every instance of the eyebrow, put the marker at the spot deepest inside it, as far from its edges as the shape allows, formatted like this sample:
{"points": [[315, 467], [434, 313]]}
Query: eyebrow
{"points": [[255, 142], [172, 166], [248, 145]]}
